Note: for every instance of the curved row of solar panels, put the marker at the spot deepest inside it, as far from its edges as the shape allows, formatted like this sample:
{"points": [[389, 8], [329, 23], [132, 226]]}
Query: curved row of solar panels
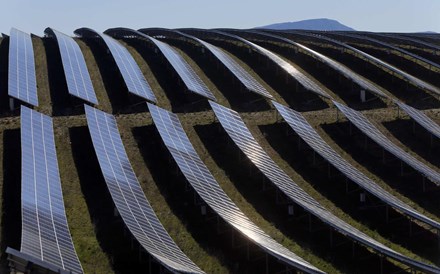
{"points": [[189, 77], [236, 69], [128, 197], [130, 71], [45, 236], [22, 83], [242, 137], [198, 175], [77, 76], [378, 62], [305, 81]]}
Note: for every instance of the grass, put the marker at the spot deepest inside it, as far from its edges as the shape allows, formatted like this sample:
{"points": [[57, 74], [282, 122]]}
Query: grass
{"points": [[44, 100], [90, 254]]}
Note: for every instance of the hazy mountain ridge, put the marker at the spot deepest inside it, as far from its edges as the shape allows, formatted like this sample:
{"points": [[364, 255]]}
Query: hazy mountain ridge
{"points": [[311, 24]]}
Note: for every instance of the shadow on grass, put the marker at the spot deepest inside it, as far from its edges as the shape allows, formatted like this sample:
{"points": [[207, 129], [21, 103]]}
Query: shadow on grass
{"points": [[114, 238], [11, 193], [4, 98]]}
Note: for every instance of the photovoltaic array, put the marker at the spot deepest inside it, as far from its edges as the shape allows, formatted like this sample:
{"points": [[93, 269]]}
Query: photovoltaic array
{"points": [[239, 72], [389, 46], [209, 190], [22, 83], [77, 76], [45, 234], [240, 134], [189, 77], [420, 118], [301, 78], [129, 69], [309, 135], [376, 61], [342, 69], [46, 243], [362, 123], [128, 196]]}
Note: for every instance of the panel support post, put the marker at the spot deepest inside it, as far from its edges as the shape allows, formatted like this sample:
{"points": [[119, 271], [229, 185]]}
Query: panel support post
{"points": [[11, 104], [267, 264], [331, 237], [387, 216], [438, 238], [353, 249], [381, 264]]}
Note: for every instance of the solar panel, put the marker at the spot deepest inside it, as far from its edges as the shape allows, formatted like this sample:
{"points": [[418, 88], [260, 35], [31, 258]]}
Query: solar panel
{"points": [[417, 41], [77, 76], [242, 137], [376, 61], [307, 133], [45, 234], [387, 45], [239, 72], [420, 118], [301, 78], [130, 71], [348, 73], [128, 197], [189, 77], [22, 83], [362, 123], [198, 175]]}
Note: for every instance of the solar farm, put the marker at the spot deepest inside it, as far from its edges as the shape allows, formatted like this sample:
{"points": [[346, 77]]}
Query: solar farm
{"points": [[219, 151]]}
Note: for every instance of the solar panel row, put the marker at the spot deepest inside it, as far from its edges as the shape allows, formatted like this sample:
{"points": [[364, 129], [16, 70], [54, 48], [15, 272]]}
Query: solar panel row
{"points": [[77, 76], [237, 130], [240, 73], [189, 77], [417, 41], [307, 133], [363, 124], [300, 77], [128, 196], [198, 175], [22, 83], [421, 118], [389, 46], [406, 76], [416, 114], [130, 71], [45, 233], [348, 73]]}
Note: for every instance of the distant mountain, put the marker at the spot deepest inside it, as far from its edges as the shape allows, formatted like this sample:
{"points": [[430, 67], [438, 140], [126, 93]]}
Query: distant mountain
{"points": [[312, 24]]}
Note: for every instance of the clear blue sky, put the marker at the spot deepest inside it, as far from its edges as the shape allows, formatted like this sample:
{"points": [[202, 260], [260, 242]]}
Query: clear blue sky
{"points": [[67, 15]]}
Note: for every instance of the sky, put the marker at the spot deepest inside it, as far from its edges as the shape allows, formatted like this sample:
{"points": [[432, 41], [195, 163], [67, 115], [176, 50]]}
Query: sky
{"points": [[67, 15]]}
